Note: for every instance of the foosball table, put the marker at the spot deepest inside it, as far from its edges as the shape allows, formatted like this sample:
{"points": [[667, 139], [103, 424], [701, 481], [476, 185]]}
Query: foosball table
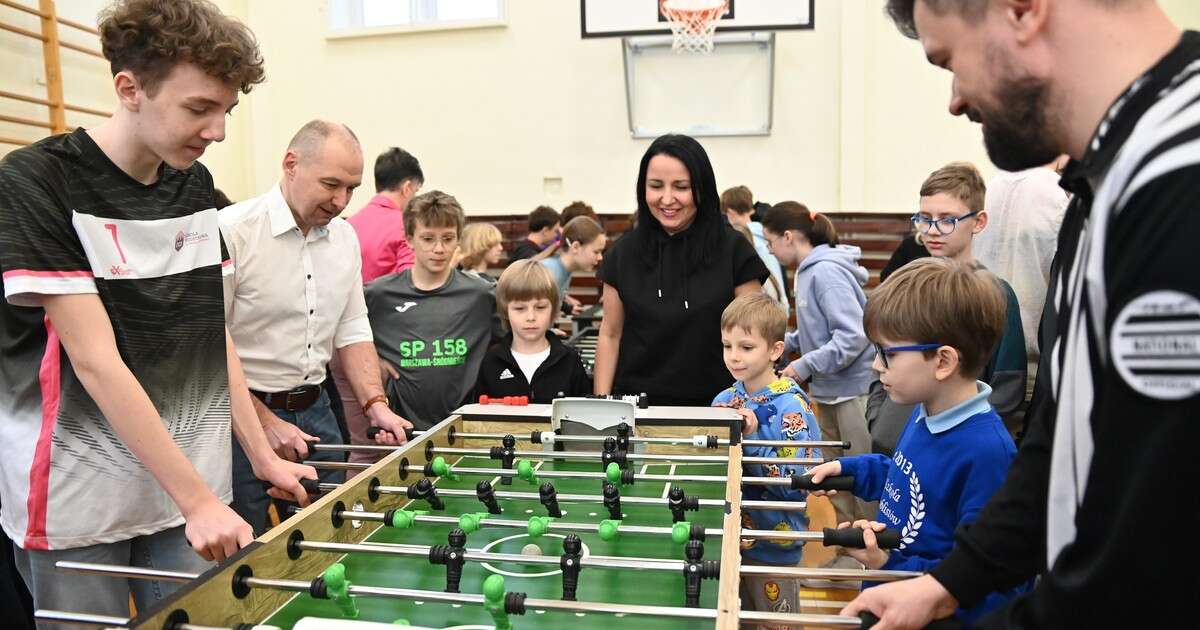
{"points": [[509, 515]]}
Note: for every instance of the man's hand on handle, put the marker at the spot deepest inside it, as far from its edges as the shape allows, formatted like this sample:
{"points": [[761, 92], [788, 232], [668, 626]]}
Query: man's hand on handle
{"points": [[284, 477], [285, 438], [904, 605], [393, 425]]}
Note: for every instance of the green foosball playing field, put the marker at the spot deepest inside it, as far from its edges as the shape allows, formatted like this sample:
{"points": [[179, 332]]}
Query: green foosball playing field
{"points": [[537, 581]]}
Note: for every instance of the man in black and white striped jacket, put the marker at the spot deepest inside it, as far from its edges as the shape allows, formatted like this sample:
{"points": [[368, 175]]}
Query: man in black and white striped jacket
{"points": [[1110, 457]]}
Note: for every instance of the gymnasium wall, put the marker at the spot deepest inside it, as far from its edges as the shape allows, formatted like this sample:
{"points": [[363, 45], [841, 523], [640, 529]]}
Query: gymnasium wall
{"points": [[497, 115], [87, 80]]}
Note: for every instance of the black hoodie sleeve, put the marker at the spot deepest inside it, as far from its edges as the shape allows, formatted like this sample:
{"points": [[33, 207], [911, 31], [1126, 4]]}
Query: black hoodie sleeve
{"points": [[747, 265]]}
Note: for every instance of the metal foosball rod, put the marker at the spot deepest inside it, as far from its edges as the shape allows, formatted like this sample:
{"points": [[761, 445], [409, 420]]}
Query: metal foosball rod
{"points": [[609, 529], [505, 472], [550, 437], [614, 474], [495, 600], [596, 455], [779, 506], [635, 457], [699, 441], [476, 555]]}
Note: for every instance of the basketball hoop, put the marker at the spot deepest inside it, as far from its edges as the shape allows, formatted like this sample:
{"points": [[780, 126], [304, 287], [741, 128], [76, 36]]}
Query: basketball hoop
{"points": [[693, 22]]}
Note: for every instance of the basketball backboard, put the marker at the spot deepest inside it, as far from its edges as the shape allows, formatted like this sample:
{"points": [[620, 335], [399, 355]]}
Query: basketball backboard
{"points": [[629, 18]]}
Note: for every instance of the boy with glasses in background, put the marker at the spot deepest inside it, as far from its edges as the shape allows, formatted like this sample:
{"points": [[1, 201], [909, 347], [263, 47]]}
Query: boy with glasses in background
{"points": [[950, 216]]}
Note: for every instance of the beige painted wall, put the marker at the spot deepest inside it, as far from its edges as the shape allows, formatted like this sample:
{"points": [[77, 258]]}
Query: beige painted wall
{"points": [[860, 118]]}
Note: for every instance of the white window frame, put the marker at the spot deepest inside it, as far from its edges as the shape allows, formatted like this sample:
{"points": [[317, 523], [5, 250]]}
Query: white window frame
{"points": [[417, 8]]}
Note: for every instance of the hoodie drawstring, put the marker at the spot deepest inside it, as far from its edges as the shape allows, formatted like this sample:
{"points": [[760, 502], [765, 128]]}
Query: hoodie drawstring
{"points": [[686, 271], [660, 266]]}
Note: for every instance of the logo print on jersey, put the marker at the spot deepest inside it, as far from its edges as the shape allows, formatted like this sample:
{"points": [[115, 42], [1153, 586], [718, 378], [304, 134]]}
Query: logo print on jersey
{"points": [[405, 307], [506, 374], [1156, 345], [179, 240]]}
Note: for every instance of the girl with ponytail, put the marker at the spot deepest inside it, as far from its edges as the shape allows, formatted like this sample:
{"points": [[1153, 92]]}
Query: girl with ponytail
{"points": [[835, 354]]}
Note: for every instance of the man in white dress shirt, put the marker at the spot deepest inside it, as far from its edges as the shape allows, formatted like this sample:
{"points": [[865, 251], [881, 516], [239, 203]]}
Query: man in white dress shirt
{"points": [[295, 297]]}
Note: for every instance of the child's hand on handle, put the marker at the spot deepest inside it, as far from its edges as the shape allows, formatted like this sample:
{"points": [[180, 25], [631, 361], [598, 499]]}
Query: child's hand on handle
{"points": [[819, 473], [749, 421], [215, 531], [871, 556]]}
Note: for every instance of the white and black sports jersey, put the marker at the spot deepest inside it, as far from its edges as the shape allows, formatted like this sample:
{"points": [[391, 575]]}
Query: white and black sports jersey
{"points": [[1109, 458], [74, 223]]}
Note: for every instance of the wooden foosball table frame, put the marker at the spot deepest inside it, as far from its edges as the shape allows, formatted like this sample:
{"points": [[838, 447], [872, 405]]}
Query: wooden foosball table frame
{"points": [[210, 599]]}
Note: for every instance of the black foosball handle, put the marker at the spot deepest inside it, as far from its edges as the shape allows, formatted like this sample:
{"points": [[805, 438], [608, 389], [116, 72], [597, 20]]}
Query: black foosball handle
{"points": [[839, 482], [373, 431], [311, 486], [852, 538], [949, 623]]}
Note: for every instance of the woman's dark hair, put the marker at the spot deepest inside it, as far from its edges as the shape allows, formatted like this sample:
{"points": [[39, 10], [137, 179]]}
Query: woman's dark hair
{"points": [[704, 234]]}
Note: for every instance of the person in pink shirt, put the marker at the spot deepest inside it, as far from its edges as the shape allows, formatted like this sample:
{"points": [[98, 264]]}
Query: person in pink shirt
{"points": [[380, 223]]}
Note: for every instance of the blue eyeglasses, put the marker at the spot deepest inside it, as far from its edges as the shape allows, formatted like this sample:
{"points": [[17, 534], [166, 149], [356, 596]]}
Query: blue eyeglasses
{"points": [[884, 353], [943, 226]]}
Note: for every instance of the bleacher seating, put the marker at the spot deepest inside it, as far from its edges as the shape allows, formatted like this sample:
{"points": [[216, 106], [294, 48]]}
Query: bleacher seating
{"points": [[877, 234]]}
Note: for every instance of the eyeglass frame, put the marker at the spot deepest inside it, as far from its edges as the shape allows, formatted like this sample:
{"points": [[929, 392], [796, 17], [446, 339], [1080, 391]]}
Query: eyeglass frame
{"points": [[917, 219], [883, 353]]}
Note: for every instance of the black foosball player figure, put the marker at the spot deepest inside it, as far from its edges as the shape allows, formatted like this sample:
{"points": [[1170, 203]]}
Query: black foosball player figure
{"points": [[453, 555], [487, 496], [548, 497], [506, 453], [425, 490], [678, 502], [623, 431], [696, 569], [612, 501], [570, 563], [612, 454]]}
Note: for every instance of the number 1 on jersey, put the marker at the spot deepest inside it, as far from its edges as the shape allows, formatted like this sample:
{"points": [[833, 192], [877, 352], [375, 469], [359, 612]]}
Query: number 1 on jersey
{"points": [[112, 228]]}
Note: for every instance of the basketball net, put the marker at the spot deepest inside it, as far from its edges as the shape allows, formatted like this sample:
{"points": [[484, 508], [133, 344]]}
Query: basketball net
{"points": [[693, 23]]}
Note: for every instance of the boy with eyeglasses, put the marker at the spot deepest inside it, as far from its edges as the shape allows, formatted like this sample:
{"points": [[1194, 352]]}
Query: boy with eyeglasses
{"points": [[934, 323], [432, 323], [951, 215]]}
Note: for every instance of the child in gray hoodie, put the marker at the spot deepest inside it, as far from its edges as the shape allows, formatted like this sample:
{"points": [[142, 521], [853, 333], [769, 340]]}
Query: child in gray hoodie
{"points": [[835, 354]]}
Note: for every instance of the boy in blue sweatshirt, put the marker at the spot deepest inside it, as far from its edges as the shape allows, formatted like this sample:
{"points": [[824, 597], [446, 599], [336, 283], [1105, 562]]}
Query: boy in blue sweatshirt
{"points": [[934, 323], [774, 408]]}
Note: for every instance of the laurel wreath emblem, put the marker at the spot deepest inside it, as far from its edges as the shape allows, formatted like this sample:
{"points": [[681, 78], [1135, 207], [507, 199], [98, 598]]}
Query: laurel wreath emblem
{"points": [[916, 512]]}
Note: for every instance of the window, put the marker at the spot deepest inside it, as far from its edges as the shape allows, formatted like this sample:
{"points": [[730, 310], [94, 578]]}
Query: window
{"points": [[355, 15]]}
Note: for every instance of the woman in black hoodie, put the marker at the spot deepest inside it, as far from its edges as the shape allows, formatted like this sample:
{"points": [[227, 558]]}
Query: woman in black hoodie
{"points": [[667, 281]]}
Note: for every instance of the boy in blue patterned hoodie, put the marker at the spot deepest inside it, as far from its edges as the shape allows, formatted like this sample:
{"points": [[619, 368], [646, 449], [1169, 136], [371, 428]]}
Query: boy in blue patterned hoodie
{"points": [[935, 323], [774, 408]]}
